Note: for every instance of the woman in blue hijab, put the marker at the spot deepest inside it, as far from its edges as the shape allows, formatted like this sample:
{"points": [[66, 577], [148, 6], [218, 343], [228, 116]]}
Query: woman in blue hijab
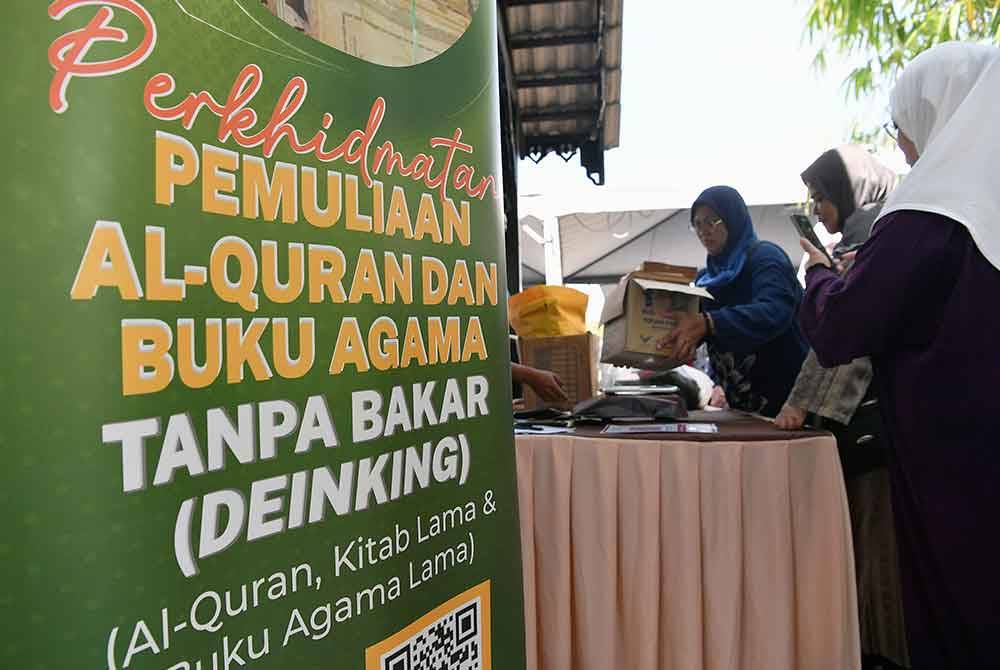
{"points": [[754, 342]]}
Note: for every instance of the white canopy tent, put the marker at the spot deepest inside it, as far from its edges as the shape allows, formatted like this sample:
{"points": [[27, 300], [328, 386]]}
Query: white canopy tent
{"points": [[601, 247]]}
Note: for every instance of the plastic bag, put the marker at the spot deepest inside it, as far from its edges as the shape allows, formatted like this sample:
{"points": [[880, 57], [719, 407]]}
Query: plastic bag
{"points": [[548, 311], [652, 408]]}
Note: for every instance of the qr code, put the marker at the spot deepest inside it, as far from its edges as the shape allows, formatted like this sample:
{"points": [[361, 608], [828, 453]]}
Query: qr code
{"points": [[455, 636]]}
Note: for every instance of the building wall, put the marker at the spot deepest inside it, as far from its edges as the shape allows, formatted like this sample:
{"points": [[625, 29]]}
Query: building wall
{"points": [[387, 32]]}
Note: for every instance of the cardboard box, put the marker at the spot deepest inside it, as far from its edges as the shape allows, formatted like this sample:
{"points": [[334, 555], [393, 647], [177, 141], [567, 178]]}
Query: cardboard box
{"points": [[634, 316], [572, 357], [679, 274]]}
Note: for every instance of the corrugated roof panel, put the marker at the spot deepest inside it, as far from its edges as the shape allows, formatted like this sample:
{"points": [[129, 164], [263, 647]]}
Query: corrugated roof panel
{"points": [[612, 73], [552, 15], [566, 58]]}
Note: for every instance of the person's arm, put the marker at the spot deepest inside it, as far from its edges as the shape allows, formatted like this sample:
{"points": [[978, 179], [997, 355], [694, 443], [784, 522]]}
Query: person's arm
{"points": [[793, 414], [904, 266], [775, 296], [546, 384]]}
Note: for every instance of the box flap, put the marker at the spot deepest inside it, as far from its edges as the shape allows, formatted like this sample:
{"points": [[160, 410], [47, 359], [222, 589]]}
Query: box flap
{"points": [[671, 286], [614, 304], [682, 274]]}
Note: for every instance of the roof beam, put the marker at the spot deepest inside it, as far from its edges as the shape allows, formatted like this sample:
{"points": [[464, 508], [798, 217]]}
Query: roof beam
{"points": [[525, 3], [541, 114], [567, 79], [553, 38]]}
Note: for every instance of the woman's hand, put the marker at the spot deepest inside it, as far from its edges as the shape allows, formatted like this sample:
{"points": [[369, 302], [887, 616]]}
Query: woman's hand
{"points": [[689, 330], [790, 418], [845, 261], [547, 385], [718, 398], [816, 257]]}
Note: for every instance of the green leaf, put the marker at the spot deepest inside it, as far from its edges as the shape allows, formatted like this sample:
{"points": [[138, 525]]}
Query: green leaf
{"points": [[889, 33], [860, 80], [852, 17], [954, 18], [819, 61], [971, 13]]}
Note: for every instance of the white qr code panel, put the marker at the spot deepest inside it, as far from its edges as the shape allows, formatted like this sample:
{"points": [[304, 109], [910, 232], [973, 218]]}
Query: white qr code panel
{"points": [[450, 643], [453, 636]]}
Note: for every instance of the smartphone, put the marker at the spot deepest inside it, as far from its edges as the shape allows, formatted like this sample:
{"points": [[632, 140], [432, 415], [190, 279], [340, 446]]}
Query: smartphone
{"points": [[805, 229]]}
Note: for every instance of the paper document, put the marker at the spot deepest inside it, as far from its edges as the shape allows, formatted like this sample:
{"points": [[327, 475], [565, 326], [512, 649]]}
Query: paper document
{"points": [[662, 428], [540, 430]]}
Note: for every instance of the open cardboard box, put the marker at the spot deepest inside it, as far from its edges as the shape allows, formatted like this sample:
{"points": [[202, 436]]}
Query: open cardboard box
{"points": [[635, 319], [572, 357]]}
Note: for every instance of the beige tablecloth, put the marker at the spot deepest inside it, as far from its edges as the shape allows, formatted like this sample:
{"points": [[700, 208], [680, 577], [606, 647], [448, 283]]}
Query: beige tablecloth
{"points": [[684, 555]]}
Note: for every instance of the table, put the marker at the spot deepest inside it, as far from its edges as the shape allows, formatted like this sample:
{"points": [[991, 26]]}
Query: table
{"points": [[687, 552]]}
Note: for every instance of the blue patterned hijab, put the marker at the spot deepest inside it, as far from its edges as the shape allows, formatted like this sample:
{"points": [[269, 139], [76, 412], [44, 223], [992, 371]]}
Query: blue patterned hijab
{"points": [[729, 205]]}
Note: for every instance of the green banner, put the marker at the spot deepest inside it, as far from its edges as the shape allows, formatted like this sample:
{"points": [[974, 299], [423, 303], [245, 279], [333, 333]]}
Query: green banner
{"points": [[256, 387]]}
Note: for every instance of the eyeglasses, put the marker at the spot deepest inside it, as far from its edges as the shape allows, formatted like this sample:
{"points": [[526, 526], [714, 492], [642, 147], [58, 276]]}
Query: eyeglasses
{"points": [[892, 130], [699, 227]]}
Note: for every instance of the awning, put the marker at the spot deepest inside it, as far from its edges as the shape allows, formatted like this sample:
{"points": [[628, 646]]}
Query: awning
{"points": [[566, 61]]}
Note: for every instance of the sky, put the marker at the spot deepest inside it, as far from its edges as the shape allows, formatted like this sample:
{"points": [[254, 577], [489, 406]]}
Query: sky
{"points": [[713, 92]]}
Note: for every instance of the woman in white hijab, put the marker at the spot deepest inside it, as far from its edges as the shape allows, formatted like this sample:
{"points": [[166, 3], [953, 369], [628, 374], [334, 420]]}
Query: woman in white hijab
{"points": [[923, 300]]}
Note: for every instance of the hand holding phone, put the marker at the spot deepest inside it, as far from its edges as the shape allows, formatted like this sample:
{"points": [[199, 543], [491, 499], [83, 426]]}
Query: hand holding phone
{"points": [[815, 256], [805, 229]]}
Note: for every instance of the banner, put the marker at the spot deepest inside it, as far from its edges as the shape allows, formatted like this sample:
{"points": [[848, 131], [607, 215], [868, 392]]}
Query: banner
{"points": [[256, 383]]}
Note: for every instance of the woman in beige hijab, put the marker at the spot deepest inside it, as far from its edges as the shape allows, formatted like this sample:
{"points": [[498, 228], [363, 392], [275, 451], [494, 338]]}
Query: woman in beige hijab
{"points": [[848, 187]]}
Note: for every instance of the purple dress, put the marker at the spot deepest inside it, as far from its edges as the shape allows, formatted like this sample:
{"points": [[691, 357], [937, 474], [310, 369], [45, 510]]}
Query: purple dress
{"points": [[924, 303]]}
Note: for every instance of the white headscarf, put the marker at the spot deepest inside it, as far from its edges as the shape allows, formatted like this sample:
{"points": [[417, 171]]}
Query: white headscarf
{"points": [[947, 101]]}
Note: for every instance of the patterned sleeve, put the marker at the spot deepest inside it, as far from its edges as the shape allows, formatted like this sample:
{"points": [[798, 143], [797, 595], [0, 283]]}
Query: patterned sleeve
{"points": [[833, 393]]}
